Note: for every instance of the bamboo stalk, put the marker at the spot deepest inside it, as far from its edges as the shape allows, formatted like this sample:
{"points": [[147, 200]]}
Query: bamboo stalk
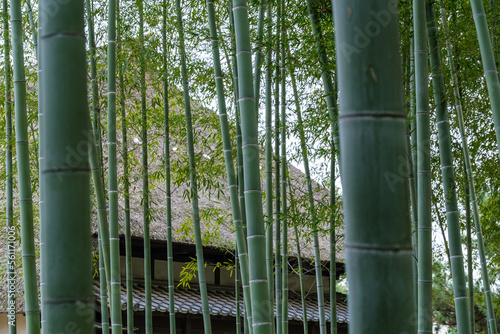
{"points": [[239, 168], [448, 174], [413, 165], [239, 151], [9, 203], [423, 170], [269, 165], [465, 151], [94, 86], [114, 240], [237, 292], [192, 172], [373, 139], [32, 26], [284, 175], [32, 309], [277, 172], [168, 176], [145, 180], [332, 108], [126, 182], [470, 268], [95, 164], [228, 156], [253, 195], [103, 288], [258, 53], [68, 299], [490, 70]]}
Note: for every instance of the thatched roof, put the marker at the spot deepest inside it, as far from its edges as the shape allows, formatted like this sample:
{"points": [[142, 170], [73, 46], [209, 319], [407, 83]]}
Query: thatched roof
{"points": [[214, 204]]}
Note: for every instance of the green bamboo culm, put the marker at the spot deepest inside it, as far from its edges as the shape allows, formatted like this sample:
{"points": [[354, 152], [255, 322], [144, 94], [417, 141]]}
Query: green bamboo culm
{"points": [[33, 26], [241, 181], [32, 309], [9, 203], [258, 54], [168, 176], [332, 109], [470, 177], [277, 172], [490, 69], [326, 75], [312, 210], [494, 32], [452, 213], [423, 170], [192, 172], [114, 239], [103, 288], [41, 185], [68, 298], [253, 195], [145, 180], [301, 281], [96, 167], [372, 137], [228, 156], [470, 268], [284, 175], [126, 180], [237, 291], [96, 122], [413, 164], [269, 163]]}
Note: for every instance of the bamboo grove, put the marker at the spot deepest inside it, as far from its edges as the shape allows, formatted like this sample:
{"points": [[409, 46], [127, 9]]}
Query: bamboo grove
{"points": [[391, 108]]}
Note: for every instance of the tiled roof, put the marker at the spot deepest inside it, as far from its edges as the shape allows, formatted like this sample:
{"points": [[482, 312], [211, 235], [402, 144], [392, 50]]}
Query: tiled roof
{"points": [[221, 303]]}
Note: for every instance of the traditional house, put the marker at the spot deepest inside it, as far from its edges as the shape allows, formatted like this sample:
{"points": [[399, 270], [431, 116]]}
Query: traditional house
{"points": [[218, 237]]}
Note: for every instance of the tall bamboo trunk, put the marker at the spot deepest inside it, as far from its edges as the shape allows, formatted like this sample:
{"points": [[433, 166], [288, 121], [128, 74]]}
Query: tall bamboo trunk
{"points": [[253, 195], [332, 109], [68, 296], [470, 177], [239, 169], [237, 291], [168, 176], [126, 183], [95, 159], [103, 288], [228, 156], [284, 206], [414, 175], [489, 65], [269, 164], [277, 172], [239, 150], [114, 239], [192, 171], [258, 54], [9, 203], [145, 179], [470, 268], [423, 170], [32, 309], [373, 138], [33, 27], [93, 82], [448, 174]]}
